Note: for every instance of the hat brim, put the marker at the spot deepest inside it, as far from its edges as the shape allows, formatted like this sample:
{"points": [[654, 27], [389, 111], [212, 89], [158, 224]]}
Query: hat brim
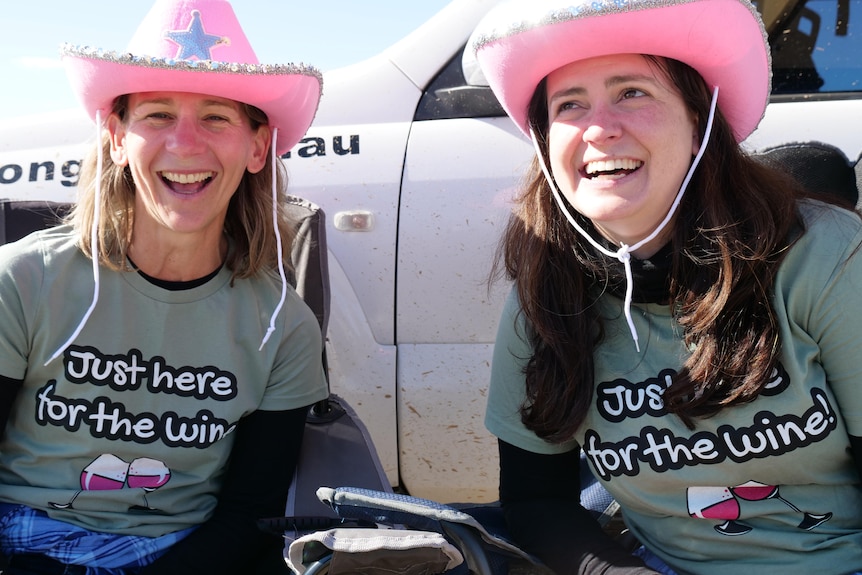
{"points": [[289, 95], [724, 40]]}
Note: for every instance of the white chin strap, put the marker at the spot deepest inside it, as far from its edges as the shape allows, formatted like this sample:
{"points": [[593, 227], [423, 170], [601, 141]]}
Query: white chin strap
{"points": [[279, 247], [94, 242], [624, 253]]}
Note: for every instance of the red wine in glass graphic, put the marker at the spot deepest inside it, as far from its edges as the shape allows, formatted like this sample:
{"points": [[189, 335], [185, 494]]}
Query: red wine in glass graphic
{"points": [[147, 474], [105, 472], [716, 503], [755, 491]]}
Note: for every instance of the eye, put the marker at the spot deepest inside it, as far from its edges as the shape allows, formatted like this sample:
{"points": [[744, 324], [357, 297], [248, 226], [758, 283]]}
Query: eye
{"points": [[151, 113], [221, 116], [629, 93], [566, 108]]}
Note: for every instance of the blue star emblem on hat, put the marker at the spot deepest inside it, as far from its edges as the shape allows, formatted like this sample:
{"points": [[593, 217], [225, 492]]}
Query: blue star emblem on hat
{"points": [[194, 41]]}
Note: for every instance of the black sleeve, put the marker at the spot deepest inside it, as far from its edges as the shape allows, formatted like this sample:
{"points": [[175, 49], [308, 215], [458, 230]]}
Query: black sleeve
{"points": [[8, 391], [261, 467], [540, 495], [856, 451]]}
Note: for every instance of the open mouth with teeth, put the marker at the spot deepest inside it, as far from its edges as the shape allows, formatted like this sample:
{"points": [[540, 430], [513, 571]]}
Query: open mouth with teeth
{"points": [[611, 168], [187, 183]]}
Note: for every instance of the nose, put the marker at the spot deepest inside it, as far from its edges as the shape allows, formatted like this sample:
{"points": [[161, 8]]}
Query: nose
{"points": [[602, 124], [185, 138]]}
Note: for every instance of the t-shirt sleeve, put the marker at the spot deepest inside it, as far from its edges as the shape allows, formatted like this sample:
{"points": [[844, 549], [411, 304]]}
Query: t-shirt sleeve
{"points": [[824, 292], [21, 278], [297, 378], [506, 395]]}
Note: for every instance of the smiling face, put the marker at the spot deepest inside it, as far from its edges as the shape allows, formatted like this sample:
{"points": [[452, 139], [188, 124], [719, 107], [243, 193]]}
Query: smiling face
{"points": [[620, 141], [187, 154]]}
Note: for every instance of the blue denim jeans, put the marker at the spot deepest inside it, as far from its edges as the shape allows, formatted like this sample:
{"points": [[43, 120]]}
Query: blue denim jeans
{"points": [[653, 561]]}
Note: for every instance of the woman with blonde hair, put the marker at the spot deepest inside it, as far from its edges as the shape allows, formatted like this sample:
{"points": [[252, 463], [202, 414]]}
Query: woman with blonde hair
{"points": [[156, 364]]}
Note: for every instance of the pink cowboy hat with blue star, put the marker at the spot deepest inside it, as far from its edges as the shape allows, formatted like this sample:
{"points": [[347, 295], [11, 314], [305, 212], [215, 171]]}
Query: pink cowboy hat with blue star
{"points": [[196, 46]]}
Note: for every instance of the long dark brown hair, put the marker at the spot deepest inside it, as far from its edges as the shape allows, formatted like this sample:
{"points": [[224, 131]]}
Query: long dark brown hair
{"points": [[735, 223]]}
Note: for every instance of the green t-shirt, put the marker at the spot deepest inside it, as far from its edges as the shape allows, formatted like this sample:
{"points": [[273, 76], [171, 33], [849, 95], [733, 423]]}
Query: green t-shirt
{"points": [[766, 487], [130, 429]]}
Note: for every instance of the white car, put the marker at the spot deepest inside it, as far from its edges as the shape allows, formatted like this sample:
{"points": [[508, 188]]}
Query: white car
{"points": [[415, 165]]}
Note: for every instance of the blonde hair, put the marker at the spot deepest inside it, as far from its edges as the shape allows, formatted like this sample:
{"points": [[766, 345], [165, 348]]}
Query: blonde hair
{"points": [[249, 220]]}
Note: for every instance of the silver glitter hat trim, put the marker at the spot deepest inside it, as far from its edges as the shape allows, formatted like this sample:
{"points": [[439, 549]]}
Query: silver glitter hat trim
{"points": [[214, 66], [511, 18]]}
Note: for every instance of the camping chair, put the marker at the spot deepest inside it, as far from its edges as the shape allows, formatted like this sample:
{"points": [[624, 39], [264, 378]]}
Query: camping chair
{"points": [[390, 533], [822, 169], [383, 533], [18, 218], [336, 447]]}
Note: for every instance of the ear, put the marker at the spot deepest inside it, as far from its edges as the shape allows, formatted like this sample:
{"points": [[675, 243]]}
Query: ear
{"points": [[117, 136], [259, 149]]}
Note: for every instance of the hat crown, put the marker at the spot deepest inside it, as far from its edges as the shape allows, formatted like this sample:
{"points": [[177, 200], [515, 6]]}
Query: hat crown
{"points": [[192, 30], [197, 46], [520, 42]]}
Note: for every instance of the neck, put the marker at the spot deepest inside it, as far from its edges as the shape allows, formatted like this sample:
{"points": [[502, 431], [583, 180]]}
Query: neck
{"points": [[644, 251], [178, 263]]}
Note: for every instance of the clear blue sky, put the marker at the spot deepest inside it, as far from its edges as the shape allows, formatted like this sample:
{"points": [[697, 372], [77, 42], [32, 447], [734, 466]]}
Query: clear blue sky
{"points": [[325, 33]]}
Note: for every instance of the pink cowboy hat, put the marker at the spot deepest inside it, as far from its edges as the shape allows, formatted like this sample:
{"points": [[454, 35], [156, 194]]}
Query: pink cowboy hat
{"points": [[197, 46], [520, 42]]}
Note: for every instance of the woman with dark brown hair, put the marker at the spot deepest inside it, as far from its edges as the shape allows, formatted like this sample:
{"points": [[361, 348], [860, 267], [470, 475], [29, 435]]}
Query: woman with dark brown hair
{"points": [[682, 314]]}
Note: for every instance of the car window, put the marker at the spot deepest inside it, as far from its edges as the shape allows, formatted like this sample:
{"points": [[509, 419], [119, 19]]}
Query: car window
{"points": [[815, 55], [450, 95], [815, 45]]}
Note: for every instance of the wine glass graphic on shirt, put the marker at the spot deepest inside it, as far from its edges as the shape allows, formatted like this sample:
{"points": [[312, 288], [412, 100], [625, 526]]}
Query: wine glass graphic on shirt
{"points": [[147, 474], [723, 503], [109, 472], [716, 503], [756, 491]]}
